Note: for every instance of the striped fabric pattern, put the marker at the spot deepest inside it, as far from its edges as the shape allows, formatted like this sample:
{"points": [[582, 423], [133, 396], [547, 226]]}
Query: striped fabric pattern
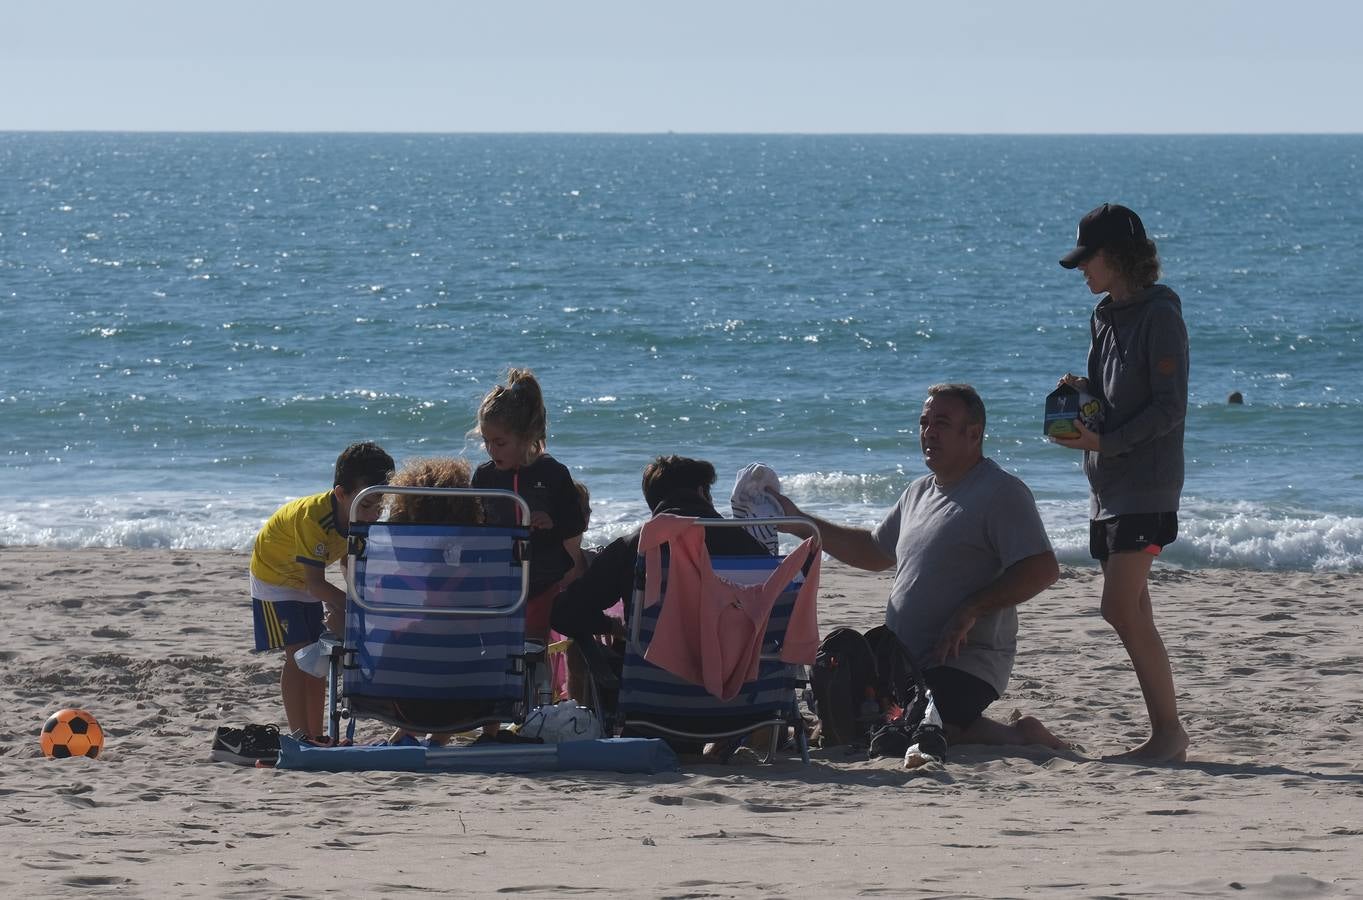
{"points": [[274, 629], [405, 637], [647, 690]]}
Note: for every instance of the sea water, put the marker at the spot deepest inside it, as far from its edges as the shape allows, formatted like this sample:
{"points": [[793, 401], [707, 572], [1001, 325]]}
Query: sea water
{"points": [[195, 325]]}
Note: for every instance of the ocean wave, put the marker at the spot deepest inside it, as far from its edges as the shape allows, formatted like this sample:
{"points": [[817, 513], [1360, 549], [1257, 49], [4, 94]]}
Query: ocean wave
{"points": [[1245, 537], [840, 488], [162, 521], [1211, 534], [1240, 536]]}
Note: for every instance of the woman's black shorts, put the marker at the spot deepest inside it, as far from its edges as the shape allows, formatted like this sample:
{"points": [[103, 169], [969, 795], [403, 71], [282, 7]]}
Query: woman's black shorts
{"points": [[1141, 532]]}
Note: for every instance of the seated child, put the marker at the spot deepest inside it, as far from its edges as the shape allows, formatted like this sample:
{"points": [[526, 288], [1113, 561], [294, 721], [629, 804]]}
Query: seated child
{"points": [[289, 591], [439, 472], [574, 683], [582, 556], [671, 484]]}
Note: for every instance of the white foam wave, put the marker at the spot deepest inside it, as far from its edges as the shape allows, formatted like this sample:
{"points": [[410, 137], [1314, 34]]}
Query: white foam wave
{"points": [[1211, 534], [1231, 536], [170, 521], [843, 488], [1240, 535]]}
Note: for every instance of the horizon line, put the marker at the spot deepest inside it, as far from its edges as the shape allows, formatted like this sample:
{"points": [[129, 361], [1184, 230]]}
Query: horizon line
{"points": [[673, 133]]}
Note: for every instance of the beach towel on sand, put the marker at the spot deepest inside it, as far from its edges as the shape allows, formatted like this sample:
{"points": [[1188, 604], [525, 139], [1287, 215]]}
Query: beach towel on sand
{"points": [[627, 755]]}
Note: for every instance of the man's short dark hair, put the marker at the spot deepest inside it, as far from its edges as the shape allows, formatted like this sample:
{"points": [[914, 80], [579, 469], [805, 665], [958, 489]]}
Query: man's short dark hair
{"points": [[669, 475], [362, 465], [974, 406]]}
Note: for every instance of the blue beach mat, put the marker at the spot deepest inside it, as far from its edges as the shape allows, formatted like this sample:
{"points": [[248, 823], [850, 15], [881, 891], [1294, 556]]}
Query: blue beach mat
{"points": [[646, 756]]}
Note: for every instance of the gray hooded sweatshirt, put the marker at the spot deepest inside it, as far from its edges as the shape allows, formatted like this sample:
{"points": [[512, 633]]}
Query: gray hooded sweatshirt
{"points": [[1138, 365]]}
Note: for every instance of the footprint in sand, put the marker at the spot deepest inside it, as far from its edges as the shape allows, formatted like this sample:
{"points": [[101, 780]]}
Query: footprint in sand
{"points": [[696, 799], [95, 880], [763, 836], [553, 890], [104, 631], [338, 844], [80, 802], [130, 606]]}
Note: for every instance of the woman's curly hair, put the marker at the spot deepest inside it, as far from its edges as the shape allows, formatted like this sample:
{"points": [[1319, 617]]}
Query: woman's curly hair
{"points": [[444, 472], [1136, 263]]}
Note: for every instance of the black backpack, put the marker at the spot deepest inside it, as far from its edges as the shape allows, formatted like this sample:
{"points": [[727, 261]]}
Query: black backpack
{"points": [[867, 692], [844, 685], [898, 682], [904, 693], [859, 682]]}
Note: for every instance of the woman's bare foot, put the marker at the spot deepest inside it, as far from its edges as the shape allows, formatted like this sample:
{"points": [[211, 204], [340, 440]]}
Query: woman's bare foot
{"points": [[1162, 747]]}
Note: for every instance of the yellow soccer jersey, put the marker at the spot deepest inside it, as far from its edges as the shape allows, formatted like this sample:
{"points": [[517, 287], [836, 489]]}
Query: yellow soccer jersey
{"points": [[302, 532]]}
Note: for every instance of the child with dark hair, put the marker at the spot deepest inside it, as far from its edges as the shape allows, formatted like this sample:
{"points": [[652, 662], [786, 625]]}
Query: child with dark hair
{"points": [[513, 424], [571, 677], [677, 485], [290, 596], [582, 556]]}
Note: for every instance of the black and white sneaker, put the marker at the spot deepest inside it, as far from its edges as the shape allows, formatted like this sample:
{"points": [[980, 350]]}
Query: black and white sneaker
{"points": [[246, 746]]}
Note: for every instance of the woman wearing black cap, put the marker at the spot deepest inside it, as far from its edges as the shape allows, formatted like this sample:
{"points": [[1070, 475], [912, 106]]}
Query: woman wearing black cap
{"points": [[1138, 367]]}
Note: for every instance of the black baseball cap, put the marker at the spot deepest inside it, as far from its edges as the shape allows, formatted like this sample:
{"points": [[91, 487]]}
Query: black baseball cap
{"points": [[1109, 225]]}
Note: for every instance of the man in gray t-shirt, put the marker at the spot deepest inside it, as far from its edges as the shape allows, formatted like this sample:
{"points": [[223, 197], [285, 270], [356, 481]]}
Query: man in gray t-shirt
{"points": [[968, 546]]}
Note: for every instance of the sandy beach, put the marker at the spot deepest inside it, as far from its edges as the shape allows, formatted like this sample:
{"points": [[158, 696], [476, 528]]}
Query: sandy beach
{"points": [[156, 645]]}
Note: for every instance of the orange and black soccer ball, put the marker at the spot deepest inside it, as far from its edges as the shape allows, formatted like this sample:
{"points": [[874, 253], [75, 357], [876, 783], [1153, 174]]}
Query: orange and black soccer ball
{"points": [[71, 732]]}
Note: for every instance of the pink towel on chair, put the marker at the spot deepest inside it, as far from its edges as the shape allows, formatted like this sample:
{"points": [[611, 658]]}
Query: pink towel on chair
{"points": [[710, 631]]}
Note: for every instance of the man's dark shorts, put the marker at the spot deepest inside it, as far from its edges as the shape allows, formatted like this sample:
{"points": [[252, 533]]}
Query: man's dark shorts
{"points": [[1138, 532], [961, 697]]}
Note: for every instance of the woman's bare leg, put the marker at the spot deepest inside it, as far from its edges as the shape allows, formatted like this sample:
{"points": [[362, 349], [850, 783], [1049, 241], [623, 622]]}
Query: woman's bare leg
{"points": [[1127, 608]]}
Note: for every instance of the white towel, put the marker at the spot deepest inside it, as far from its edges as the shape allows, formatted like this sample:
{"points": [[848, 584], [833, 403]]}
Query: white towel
{"points": [[752, 499]]}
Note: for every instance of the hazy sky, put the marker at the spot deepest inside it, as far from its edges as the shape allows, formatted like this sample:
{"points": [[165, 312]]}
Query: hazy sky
{"points": [[700, 65]]}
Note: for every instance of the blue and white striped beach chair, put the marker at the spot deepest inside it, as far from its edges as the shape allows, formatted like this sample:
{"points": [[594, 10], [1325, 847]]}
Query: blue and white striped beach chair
{"points": [[435, 623], [655, 702]]}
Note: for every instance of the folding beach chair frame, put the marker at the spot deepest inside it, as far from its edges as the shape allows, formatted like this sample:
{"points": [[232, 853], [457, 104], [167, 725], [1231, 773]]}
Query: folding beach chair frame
{"points": [[340, 657], [789, 715]]}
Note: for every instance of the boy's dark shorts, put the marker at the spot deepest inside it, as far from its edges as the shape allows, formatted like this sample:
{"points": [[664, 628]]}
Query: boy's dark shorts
{"points": [[1139, 532], [961, 697], [286, 623]]}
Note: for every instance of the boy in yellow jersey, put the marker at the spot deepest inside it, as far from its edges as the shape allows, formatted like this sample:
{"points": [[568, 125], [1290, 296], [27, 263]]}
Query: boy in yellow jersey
{"points": [[289, 590]]}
